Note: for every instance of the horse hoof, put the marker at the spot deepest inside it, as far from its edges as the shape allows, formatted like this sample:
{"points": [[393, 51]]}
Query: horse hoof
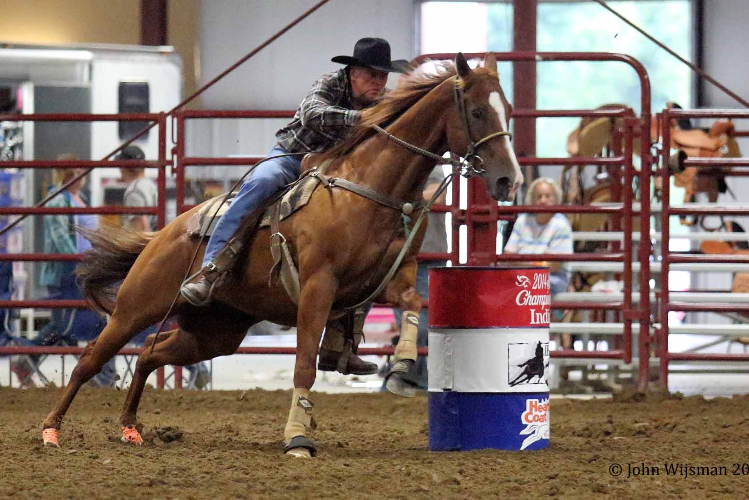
{"points": [[50, 436], [130, 435], [298, 453], [397, 385], [401, 379], [300, 447]]}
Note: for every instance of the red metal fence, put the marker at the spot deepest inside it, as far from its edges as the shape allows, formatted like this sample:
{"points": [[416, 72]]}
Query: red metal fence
{"points": [[668, 257], [160, 211], [479, 217]]}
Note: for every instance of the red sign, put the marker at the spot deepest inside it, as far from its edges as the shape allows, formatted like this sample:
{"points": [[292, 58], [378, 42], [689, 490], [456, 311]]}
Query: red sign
{"points": [[489, 297]]}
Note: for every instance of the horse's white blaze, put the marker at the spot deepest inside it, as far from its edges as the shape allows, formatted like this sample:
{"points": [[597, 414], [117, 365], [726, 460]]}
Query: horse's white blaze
{"points": [[496, 102]]}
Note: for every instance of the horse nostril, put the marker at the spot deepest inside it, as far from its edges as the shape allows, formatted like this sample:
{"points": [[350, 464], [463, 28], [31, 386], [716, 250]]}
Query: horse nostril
{"points": [[504, 183], [503, 188]]}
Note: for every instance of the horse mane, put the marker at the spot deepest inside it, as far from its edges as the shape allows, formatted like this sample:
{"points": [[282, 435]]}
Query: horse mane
{"points": [[411, 88]]}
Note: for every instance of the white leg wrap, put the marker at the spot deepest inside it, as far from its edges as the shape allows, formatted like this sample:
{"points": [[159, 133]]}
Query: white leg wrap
{"points": [[406, 348], [300, 415]]}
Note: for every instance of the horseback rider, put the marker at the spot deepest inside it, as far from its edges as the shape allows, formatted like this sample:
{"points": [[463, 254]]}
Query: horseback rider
{"points": [[331, 108]]}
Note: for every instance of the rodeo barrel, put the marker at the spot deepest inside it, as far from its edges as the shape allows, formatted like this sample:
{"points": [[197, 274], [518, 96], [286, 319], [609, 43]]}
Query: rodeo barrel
{"points": [[488, 358]]}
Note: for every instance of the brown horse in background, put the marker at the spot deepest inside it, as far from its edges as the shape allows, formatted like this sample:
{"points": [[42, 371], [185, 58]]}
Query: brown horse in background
{"points": [[338, 241]]}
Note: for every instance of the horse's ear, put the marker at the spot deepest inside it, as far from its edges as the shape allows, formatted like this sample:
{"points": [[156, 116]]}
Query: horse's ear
{"points": [[490, 62], [463, 69]]}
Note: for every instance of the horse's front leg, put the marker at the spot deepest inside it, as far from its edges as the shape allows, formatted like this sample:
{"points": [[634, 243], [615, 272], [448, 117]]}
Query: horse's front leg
{"points": [[315, 300], [401, 379]]}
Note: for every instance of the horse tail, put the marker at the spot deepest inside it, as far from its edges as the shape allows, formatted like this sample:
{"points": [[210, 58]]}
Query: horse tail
{"points": [[113, 252]]}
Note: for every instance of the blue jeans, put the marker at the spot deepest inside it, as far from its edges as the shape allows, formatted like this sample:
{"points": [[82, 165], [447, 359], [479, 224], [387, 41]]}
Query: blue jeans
{"points": [[422, 338], [266, 179]]}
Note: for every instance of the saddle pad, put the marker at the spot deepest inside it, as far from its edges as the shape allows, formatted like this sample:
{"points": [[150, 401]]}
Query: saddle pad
{"points": [[295, 197]]}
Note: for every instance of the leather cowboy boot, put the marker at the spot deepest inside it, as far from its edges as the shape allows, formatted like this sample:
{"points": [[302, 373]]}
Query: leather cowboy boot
{"points": [[199, 287], [339, 353], [346, 362]]}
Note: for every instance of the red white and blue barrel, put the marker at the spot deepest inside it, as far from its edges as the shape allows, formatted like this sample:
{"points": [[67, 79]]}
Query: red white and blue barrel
{"points": [[488, 358]]}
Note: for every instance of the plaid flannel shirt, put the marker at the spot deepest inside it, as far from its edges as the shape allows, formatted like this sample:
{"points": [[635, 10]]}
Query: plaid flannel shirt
{"points": [[324, 117]]}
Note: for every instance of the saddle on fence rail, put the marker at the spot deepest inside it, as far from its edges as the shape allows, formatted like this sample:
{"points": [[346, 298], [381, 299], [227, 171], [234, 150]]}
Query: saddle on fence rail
{"points": [[594, 135], [592, 138], [715, 142], [740, 280]]}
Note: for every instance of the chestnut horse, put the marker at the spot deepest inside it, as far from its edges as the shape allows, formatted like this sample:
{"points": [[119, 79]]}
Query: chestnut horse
{"points": [[338, 241]]}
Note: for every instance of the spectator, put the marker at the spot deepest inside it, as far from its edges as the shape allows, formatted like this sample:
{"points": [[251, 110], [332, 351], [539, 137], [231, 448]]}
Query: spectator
{"points": [[435, 240], [143, 192], [543, 232], [546, 233], [21, 366], [67, 326], [140, 192]]}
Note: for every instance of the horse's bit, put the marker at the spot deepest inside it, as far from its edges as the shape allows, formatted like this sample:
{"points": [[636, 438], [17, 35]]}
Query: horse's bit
{"points": [[468, 167]]}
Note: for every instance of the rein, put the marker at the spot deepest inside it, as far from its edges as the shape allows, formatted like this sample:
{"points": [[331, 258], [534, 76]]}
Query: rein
{"points": [[406, 245]]}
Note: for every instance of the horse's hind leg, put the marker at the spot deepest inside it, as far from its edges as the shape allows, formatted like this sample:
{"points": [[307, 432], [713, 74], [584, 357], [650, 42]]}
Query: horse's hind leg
{"points": [[143, 369], [180, 348], [401, 290], [115, 335]]}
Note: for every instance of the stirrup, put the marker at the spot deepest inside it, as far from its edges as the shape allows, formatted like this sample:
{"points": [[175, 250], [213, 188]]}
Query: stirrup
{"points": [[211, 267]]}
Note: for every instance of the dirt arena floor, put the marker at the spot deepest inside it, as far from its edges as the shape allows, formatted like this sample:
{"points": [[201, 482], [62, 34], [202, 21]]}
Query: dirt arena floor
{"points": [[228, 445]]}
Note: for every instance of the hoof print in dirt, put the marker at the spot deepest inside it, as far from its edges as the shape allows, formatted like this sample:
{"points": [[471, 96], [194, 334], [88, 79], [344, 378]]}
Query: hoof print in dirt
{"points": [[168, 434]]}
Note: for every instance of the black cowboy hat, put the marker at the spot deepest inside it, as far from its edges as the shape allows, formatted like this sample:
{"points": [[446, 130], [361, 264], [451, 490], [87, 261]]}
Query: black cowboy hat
{"points": [[373, 53]]}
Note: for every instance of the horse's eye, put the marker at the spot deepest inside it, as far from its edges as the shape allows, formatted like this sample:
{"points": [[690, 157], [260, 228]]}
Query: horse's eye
{"points": [[478, 113]]}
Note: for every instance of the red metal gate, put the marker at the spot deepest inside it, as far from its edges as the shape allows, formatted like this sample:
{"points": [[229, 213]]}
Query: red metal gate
{"points": [[687, 304], [479, 217]]}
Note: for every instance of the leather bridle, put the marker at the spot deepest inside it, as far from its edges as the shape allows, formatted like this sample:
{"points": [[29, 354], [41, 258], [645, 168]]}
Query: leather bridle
{"points": [[472, 153], [467, 165]]}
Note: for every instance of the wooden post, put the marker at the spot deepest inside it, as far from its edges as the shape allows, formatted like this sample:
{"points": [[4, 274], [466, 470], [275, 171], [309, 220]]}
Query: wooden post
{"points": [[153, 22]]}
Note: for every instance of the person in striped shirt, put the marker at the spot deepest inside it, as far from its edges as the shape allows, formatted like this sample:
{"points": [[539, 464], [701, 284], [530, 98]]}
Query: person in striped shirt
{"points": [[543, 232]]}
